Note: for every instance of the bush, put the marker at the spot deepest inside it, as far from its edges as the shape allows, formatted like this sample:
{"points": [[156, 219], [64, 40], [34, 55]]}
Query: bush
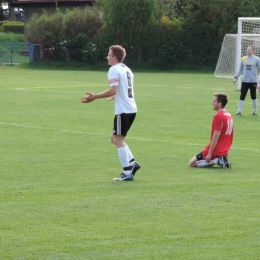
{"points": [[66, 36], [82, 49], [12, 26], [170, 50], [47, 30], [80, 21]]}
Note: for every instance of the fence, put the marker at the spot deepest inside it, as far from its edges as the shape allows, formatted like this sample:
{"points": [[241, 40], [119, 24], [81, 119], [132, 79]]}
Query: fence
{"points": [[15, 53]]}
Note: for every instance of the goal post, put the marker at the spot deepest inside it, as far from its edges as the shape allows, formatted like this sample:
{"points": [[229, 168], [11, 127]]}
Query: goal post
{"points": [[238, 51], [234, 47]]}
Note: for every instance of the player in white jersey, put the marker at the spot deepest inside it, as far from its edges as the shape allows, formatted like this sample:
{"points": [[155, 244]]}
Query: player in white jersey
{"points": [[121, 90]]}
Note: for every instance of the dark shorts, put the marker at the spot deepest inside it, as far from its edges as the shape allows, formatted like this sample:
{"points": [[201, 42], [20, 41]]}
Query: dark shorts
{"points": [[202, 156], [244, 89], [122, 123], [199, 157]]}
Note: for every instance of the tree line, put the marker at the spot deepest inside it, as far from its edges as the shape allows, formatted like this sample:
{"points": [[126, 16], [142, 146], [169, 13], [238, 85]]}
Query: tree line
{"points": [[161, 33]]}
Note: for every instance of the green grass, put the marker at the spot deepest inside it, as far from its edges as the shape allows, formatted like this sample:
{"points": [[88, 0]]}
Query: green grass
{"points": [[11, 37], [57, 197]]}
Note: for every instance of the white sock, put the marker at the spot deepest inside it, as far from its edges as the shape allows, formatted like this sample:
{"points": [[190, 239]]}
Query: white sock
{"points": [[203, 163], [123, 157], [130, 156], [255, 103], [240, 105]]}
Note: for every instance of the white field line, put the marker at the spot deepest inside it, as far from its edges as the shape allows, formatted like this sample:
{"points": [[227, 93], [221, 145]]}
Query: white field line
{"points": [[134, 138], [38, 90], [181, 87], [62, 86], [87, 85], [48, 89], [23, 125]]}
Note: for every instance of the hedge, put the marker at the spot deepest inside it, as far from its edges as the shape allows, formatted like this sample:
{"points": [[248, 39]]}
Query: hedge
{"points": [[10, 26]]}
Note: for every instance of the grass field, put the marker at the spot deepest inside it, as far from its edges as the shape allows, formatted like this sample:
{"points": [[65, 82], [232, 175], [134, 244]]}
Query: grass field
{"points": [[57, 196]]}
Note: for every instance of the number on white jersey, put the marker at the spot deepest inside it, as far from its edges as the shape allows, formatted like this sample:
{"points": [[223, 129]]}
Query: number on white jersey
{"points": [[128, 79]]}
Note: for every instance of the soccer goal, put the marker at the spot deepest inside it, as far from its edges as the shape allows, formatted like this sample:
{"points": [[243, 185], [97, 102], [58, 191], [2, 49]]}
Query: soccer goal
{"points": [[234, 47]]}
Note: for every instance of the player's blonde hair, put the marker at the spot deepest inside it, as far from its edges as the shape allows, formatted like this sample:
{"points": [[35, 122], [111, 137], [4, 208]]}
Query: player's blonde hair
{"points": [[118, 51]]}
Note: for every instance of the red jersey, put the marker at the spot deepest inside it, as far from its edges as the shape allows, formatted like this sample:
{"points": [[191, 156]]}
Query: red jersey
{"points": [[222, 122]]}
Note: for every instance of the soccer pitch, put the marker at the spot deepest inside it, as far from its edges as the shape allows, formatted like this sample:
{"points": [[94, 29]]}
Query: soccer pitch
{"points": [[57, 196]]}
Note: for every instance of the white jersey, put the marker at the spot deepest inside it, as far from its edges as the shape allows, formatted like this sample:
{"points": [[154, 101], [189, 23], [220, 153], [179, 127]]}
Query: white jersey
{"points": [[120, 75], [258, 82]]}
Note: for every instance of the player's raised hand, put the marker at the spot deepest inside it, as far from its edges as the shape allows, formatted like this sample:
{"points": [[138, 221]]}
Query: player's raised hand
{"points": [[89, 98]]}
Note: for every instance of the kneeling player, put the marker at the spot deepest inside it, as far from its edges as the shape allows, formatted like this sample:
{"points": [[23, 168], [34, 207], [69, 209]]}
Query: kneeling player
{"points": [[221, 137]]}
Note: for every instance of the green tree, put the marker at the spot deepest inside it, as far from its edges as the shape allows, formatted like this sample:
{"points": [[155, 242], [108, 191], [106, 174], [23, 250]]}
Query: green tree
{"points": [[169, 37], [64, 37], [130, 23], [78, 21], [80, 29], [47, 31], [207, 21]]}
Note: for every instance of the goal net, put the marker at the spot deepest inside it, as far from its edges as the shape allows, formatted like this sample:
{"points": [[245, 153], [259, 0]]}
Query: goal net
{"points": [[234, 47]]}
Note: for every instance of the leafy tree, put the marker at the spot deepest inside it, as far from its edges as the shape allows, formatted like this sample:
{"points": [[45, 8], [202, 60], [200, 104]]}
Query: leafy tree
{"points": [[168, 33], [47, 30], [167, 8], [169, 36], [130, 23], [206, 23], [81, 21], [67, 36], [82, 49], [170, 51], [80, 28]]}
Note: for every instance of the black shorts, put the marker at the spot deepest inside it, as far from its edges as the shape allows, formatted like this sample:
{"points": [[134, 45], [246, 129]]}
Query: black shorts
{"points": [[244, 89], [199, 157], [122, 123]]}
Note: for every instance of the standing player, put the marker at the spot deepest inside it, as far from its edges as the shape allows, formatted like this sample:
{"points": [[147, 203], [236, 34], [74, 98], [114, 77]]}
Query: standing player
{"points": [[121, 89], [249, 66], [221, 137]]}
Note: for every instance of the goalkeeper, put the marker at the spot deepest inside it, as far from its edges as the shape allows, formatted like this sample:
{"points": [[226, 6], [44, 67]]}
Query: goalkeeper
{"points": [[249, 66]]}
